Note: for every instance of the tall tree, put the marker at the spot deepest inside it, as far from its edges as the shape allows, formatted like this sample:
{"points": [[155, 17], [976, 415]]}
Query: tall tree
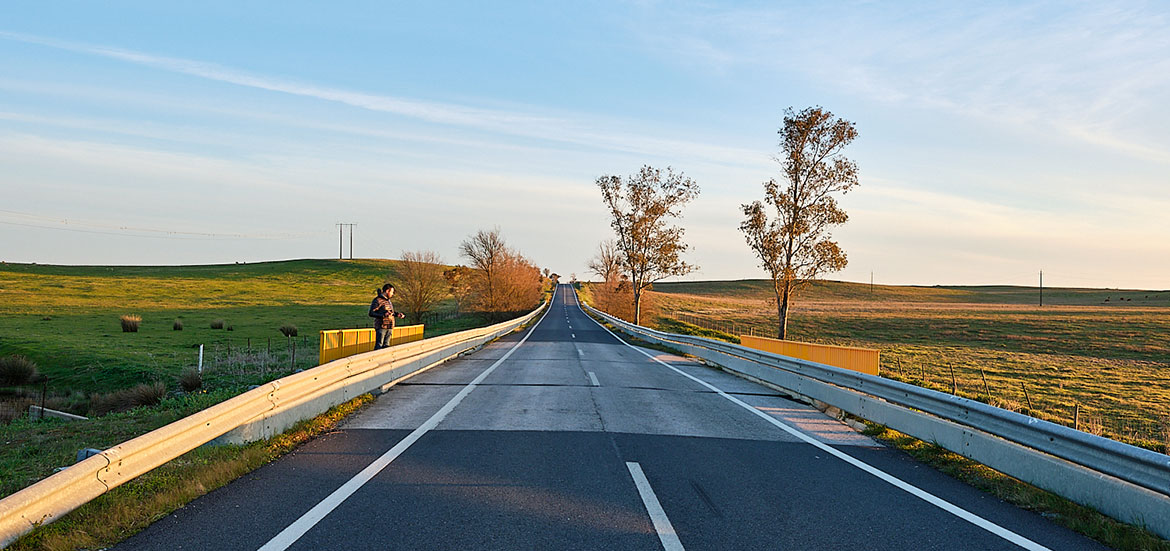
{"points": [[641, 208], [796, 246], [421, 283]]}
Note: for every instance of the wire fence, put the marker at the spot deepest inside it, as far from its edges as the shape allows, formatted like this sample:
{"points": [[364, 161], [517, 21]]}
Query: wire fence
{"points": [[15, 400]]}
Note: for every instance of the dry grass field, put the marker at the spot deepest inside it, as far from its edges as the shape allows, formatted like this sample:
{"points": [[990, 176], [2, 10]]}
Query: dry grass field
{"points": [[1096, 358]]}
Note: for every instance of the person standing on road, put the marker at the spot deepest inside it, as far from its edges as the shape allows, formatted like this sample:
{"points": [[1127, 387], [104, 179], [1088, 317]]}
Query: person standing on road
{"points": [[382, 310]]}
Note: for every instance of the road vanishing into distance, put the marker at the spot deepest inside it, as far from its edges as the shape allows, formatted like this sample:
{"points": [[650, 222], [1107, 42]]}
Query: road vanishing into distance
{"points": [[562, 436]]}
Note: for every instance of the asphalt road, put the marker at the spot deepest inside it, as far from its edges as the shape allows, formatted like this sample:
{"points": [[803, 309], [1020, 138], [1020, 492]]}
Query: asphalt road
{"points": [[564, 437]]}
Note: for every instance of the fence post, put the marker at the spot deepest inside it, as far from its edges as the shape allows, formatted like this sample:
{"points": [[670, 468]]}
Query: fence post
{"points": [[44, 391]]}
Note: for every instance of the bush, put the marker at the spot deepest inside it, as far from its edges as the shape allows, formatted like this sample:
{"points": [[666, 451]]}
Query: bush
{"points": [[190, 379], [178, 325], [146, 394], [130, 323], [217, 324], [17, 370], [288, 330]]}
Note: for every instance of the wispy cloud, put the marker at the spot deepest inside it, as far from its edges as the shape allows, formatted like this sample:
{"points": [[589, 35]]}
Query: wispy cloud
{"points": [[571, 129]]}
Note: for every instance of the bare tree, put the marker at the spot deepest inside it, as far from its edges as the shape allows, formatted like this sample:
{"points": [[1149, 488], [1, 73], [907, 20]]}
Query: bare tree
{"points": [[607, 261], [796, 246], [641, 208], [486, 251], [503, 280], [420, 282]]}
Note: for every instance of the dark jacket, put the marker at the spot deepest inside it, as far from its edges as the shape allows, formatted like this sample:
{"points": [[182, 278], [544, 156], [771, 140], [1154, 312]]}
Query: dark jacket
{"points": [[382, 310]]}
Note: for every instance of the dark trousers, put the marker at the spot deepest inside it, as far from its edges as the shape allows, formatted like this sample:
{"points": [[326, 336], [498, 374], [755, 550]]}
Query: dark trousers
{"points": [[382, 336]]}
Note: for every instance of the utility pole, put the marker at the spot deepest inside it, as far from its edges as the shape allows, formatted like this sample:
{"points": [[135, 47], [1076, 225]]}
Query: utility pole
{"points": [[341, 240], [1041, 287], [871, 282]]}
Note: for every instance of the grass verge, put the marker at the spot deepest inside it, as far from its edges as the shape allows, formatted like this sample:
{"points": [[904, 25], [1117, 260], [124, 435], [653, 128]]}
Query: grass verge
{"points": [[1079, 518], [128, 509]]}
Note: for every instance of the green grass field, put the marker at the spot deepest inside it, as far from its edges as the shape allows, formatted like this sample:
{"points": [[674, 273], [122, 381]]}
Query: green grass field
{"points": [[65, 318], [1102, 354]]}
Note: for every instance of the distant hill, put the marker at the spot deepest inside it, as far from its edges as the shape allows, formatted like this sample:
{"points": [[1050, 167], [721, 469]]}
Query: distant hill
{"points": [[43, 288], [844, 291]]}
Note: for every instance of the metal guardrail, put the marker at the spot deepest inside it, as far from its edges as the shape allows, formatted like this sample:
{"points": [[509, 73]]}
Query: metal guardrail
{"points": [[865, 360], [259, 413], [335, 344], [1126, 482]]}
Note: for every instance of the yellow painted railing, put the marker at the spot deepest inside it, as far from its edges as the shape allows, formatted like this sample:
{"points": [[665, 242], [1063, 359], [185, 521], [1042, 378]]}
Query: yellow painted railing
{"points": [[865, 360], [341, 343]]}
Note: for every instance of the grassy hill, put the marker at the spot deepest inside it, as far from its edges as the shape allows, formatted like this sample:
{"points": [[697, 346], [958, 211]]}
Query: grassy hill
{"points": [[830, 291], [66, 318]]}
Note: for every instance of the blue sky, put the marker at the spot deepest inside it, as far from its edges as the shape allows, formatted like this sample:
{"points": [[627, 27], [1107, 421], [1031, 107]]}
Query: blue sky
{"points": [[995, 140]]}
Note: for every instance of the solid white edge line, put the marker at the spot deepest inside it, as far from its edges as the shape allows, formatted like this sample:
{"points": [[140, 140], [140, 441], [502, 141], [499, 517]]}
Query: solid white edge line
{"points": [[306, 522], [593, 379], [662, 524], [896, 482]]}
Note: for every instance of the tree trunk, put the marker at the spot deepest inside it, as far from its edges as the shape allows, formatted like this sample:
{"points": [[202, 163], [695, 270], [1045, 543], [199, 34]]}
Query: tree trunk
{"points": [[782, 305], [637, 307]]}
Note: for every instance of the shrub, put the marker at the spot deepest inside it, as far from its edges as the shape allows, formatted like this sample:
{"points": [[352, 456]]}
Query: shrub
{"points": [[130, 323], [288, 330], [17, 370], [146, 394], [217, 324], [178, 325], [190, 379]]}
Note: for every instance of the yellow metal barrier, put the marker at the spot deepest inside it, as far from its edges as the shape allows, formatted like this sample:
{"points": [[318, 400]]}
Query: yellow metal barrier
{"points": [[342, 343], [865, 360]]}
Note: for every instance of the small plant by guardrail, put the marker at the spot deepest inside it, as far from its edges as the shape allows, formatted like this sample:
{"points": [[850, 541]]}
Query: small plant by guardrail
{"points": [[130, 323], [288, 330], [190, 379], [178, 325], [16, 370], [146, 394], [217, 324]]}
